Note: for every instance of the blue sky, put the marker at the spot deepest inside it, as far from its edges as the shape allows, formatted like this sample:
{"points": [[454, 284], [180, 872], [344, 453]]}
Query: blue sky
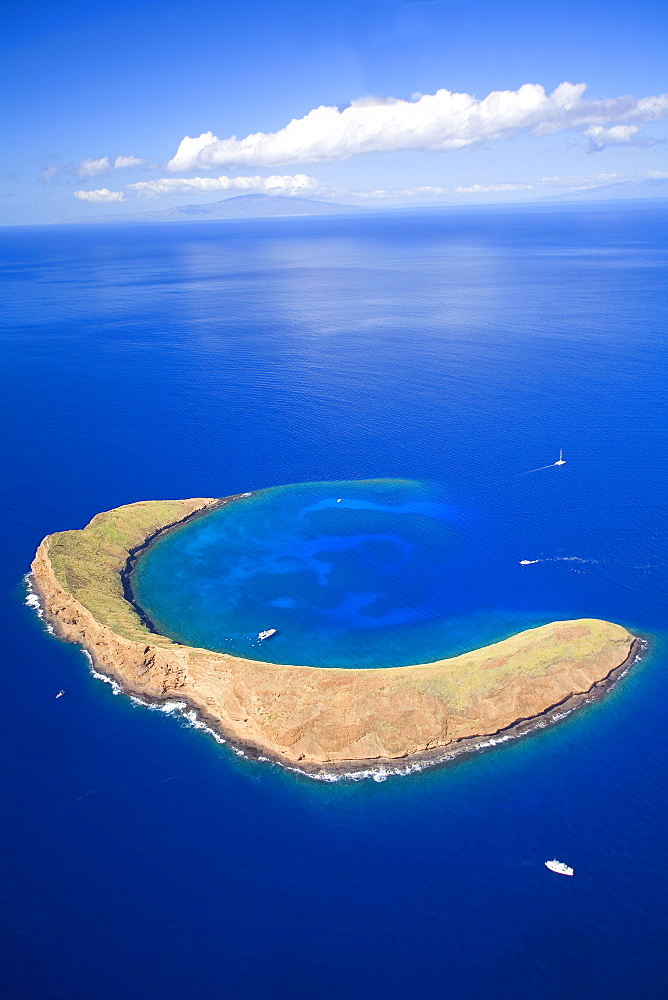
{"points": [[99, 97]]}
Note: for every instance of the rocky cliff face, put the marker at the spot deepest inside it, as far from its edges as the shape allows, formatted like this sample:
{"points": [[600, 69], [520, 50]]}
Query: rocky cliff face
{"points": [[329, 719]]}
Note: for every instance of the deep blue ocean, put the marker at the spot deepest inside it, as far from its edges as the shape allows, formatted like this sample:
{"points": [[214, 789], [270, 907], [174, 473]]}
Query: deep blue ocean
{"points": [[458, 350]]}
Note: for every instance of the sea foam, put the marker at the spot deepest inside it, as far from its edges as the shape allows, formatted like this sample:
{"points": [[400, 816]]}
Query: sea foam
{"points": [[34, 601]]}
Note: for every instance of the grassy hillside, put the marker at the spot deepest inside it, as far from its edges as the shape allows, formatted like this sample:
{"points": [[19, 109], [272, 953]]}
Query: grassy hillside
{"points": [[88, 562]]}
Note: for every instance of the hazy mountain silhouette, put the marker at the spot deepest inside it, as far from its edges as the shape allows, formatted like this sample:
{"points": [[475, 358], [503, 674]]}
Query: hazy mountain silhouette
{"points": [[243, 206]]}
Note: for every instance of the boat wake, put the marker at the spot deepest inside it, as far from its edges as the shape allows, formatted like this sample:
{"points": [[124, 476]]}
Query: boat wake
{"points": [[576, 559], [560, 461]]}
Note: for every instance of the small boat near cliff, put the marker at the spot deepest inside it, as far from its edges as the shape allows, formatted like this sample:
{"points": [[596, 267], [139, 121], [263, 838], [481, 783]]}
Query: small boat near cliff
{"points": [[559, 867], [267, 634]]}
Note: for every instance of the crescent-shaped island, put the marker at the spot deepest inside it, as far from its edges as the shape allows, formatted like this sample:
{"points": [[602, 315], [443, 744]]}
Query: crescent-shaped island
{"points": [[317, 720]]}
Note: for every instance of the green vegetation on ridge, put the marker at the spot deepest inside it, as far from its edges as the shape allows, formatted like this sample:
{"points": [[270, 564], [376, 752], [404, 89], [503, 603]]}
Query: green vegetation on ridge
{"points": [[88, 562]]}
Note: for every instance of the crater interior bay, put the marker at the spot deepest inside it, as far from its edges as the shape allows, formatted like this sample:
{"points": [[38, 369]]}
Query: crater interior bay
{"points": [[352, 574]]}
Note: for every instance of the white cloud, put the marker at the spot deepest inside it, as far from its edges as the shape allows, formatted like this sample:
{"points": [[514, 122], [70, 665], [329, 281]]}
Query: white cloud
{"points": [[128, 161], [617, 135], [439, 122], [379, 193], [574, 182], [584, 182], [290, 184], [93, 167], [49, 172], [102, 194], [421, 191], [187, 155], [427, 189], [493, 188]]}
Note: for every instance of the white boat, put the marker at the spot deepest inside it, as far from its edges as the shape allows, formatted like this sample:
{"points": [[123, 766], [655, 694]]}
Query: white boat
{"points": [[267, 634], [559, 867], [60, 694], [561, 460]]}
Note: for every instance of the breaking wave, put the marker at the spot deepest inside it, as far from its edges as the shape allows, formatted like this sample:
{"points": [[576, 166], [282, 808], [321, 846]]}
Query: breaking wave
{"points": [[34, 602]]}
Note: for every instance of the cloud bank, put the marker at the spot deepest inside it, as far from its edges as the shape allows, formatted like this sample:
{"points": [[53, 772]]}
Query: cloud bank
{"points": [[574, 183], [300, 184], [437, 122], [276, 184], [102, 194]]}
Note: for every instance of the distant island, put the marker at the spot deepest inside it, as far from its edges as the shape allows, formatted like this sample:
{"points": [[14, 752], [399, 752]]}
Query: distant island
{"points": [[242, 206], [317, 720], [276, 206]]}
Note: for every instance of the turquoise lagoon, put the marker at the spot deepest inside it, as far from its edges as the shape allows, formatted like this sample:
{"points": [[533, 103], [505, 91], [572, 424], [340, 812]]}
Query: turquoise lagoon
{"points": [[367, 573]]}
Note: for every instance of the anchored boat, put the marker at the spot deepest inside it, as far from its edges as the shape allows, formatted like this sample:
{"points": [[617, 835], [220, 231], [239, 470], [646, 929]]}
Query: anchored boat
{"points": [[267, 634], [559, 867]]}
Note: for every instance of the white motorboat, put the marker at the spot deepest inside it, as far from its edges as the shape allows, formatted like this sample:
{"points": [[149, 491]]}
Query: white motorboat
{"points": [[267, 634], [559, 867]]}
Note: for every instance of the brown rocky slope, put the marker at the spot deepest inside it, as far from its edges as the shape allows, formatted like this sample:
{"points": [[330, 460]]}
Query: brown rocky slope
{"points": [[312, 718]]}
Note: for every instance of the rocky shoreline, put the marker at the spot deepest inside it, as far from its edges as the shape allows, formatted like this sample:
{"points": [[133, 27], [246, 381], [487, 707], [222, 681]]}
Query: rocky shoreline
{"points": [[322, 722], [135, 552], [469, 745]]}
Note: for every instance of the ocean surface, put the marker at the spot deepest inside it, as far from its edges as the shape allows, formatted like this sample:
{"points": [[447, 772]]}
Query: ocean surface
{"points": [[445, 356]]}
